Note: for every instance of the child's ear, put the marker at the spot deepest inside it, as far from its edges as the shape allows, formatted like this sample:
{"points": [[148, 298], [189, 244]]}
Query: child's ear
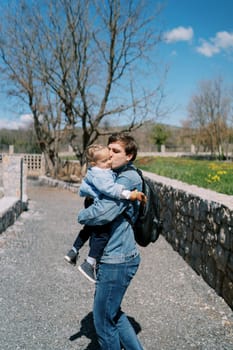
{"points": [[92, 163]]}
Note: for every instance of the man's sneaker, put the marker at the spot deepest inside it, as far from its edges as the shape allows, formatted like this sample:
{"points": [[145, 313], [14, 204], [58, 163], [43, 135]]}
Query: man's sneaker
{"points": [[88, 271], [71, 257]]}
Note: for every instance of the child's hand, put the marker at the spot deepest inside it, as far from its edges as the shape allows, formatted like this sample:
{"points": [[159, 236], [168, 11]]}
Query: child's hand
{"points": [[140, 196]]}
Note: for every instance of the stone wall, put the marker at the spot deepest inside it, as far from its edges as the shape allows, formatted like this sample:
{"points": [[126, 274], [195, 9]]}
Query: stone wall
{"points": [[47, 181], [13, 199], [10, 209], [198, 223], [14, 176]]}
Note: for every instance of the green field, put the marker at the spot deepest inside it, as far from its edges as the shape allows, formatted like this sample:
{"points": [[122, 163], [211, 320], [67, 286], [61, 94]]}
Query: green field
{"points": [[214, 175]]}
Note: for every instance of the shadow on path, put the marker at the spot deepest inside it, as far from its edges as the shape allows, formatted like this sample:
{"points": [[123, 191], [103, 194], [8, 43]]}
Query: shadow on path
{"points": [[88, 330]]}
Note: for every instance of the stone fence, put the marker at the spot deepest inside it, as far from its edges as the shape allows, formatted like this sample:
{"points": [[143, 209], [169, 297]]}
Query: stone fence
{"points": [[198, 223], [13, 199]]}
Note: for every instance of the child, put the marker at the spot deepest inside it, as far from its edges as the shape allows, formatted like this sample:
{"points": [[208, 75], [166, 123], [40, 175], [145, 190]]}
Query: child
{"points": [[98, 181]]}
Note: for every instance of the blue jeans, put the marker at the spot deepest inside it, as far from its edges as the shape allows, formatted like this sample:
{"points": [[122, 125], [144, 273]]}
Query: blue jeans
{"points": [[112, 325]]}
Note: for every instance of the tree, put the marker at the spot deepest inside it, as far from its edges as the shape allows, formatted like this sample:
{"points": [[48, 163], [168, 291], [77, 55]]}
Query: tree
{"points": [[19, 48], [78, 66], [209, 113], [160, 135], [24, 140]]}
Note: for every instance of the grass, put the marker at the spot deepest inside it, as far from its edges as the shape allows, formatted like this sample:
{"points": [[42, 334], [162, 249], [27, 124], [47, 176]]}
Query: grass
{"points": [[214, 175]]}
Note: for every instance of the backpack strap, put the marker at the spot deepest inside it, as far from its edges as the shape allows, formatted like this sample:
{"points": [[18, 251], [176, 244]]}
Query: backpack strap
{"points": [[128, 218], [131, 167]]}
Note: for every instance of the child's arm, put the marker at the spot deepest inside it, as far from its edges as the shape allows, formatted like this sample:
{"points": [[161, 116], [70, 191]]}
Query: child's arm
{"points": [[86, 190], [105, 183]]}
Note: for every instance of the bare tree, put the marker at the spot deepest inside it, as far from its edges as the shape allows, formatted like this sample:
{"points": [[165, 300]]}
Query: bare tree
{"points": [[210, 112], [79, 64], [19, 69]]}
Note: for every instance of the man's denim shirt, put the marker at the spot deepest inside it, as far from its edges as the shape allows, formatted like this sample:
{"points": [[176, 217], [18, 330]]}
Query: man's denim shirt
{"points": [[121, 245]]}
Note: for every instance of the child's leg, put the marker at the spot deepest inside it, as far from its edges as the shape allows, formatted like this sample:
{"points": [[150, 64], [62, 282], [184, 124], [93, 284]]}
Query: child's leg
{"points": [[98, 241], [97, 245], [83, 236]]}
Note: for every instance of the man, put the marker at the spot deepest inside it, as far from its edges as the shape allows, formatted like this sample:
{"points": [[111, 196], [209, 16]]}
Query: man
{"points": [[120, 259]]}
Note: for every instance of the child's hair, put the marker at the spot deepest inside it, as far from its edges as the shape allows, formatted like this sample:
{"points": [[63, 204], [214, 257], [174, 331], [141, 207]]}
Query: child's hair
{"points": [[92, 150]]}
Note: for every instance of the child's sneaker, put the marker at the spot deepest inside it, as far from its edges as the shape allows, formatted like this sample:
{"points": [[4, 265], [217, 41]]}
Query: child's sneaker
{"points": [[88, 271], [71, 257]]}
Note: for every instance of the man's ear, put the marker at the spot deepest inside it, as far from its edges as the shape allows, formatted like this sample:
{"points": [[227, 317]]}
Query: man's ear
{"points": [[129, 157]]}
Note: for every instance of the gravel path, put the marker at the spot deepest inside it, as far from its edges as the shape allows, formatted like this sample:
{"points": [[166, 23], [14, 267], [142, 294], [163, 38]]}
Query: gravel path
{"points": [[47, 304]]}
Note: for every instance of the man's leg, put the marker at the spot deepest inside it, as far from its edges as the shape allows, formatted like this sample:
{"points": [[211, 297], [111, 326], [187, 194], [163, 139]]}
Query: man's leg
{"points": [[112, 326]]}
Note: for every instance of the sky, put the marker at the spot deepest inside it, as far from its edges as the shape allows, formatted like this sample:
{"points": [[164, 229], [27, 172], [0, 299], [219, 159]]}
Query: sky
{"points": [[197, 45]]}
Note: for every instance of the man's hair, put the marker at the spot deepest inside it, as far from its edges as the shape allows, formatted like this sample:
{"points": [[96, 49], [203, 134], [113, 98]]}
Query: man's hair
{"points": [[128, 141], [92, 150]]}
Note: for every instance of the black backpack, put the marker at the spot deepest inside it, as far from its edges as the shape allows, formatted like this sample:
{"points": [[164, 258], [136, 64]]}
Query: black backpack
{"points": [[148, 225]]}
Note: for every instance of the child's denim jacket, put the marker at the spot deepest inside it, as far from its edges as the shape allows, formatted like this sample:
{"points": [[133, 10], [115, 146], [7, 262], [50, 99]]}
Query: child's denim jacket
{"points": [[100, 181]]}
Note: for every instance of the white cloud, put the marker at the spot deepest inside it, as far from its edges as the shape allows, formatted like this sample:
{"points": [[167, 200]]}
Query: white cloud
{"points": [[221, 41], [23, 122], [178, 34], [207, 49], [26, 119]]}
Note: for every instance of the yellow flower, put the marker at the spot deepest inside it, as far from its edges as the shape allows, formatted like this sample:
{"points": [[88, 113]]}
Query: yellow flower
{"points": [[221, 172], [213, 178]]}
